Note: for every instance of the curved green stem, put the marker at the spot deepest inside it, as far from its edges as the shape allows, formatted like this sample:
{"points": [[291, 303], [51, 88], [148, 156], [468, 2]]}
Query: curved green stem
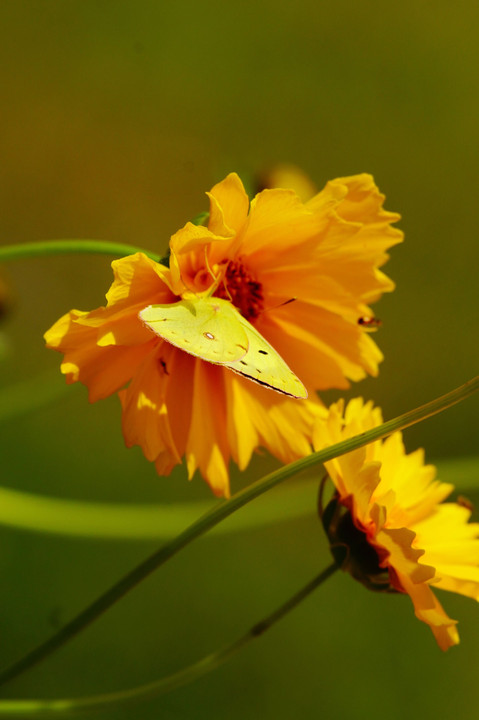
{"points": [[46, 708], [222, 511], [63, 247]]}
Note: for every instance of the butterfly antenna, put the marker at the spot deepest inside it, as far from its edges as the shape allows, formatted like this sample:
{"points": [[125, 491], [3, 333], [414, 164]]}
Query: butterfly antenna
{"points": [[218, 279], [230, 297], [282, 304]]}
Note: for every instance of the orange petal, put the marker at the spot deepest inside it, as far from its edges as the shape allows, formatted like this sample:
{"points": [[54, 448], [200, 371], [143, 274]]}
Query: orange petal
{"points": [[207, 447], [146, 419], [321, 348], [138, 280], [102, 369], [278, 222], [261, 417], [229, 205]]}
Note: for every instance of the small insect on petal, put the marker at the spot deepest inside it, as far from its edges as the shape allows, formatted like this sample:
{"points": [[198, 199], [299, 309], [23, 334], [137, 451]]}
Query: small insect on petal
{"points": [[369, 323], [465, 502]]}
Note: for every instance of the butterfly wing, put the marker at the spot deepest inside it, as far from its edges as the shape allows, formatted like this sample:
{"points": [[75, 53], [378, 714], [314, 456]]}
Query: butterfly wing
{"points": [[207, 327], [265, 366], [213, 329]]}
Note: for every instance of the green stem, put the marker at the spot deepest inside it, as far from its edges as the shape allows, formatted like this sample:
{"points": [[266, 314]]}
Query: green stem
{"points": [[45, 708], [222, 511], [62, 247]]}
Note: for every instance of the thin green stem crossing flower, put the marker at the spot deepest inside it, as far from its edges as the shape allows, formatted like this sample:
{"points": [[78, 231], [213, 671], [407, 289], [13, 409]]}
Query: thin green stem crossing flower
{"points": [[222, 511]]}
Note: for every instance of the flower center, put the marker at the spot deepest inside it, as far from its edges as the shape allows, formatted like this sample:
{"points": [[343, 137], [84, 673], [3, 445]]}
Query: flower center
{"points": [[351, 549], [242, 289]]}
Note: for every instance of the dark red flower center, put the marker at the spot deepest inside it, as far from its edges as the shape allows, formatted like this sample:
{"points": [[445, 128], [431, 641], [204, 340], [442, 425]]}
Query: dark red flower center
{"points": [[242, 289], [351, 549]]}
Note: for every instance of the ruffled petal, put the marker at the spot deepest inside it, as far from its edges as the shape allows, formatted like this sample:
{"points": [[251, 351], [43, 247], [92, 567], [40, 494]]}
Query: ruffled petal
{"points": [[278, 223], [428, 609], [145, 418], [207, 447], [261, 417], [402, 555], [138, 281], [321, 348], [104, 370], [190, 252], [229, 206], [363, 202]]}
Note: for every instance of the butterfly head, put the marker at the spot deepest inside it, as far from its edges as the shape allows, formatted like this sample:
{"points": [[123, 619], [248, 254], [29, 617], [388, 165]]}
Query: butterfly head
{"points": [[230, 280]]}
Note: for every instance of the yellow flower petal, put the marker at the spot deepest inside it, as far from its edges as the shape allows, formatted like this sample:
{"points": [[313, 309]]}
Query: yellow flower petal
{"points": [[397, 505], [229, 206], [428, 609], [206, 447]]}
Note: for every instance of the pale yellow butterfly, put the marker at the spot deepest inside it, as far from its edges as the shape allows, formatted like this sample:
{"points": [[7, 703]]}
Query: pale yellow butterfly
{"points": [[213, 329]]}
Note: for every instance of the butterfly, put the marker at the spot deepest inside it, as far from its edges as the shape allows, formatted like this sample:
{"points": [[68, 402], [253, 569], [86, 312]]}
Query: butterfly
{"points": [[214, 330]]}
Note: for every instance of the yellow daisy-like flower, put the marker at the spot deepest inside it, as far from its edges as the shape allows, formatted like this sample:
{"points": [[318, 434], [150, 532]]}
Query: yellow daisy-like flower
{"points": [[325, 254], [288, 176], [387, 523]]}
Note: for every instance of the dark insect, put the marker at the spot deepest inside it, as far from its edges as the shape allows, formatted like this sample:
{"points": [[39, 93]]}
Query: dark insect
{"points": [[369, 323]]}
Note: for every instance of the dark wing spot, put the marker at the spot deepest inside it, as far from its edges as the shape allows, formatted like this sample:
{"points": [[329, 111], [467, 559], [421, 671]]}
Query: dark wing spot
{"points": [[243, 362], [263, 352]]}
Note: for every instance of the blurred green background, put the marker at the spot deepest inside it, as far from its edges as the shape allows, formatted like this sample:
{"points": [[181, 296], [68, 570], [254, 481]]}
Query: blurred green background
{"points": [[116, 118]]}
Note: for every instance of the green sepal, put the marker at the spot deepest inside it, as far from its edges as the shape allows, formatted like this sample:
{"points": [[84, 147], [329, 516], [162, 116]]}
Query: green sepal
{"points": [[201, 218]]}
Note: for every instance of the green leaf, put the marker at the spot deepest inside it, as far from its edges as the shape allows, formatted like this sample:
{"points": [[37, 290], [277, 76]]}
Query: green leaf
{"points": [[202, 218]]}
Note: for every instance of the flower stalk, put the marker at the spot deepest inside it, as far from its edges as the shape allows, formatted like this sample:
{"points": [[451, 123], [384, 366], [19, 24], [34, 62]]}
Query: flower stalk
{"points": [[221, 512], [46, 708], [65, 247]]}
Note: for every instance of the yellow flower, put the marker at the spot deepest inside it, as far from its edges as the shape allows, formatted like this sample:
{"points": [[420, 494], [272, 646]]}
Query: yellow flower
{"points": [[325, 254], [387, 523], [288, 176]]}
